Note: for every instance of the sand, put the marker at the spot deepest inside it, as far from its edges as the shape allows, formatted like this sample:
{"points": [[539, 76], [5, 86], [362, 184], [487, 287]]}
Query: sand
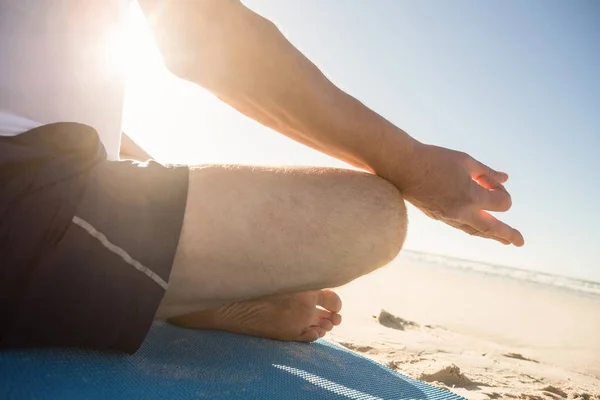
{"points": [[477, 335]]}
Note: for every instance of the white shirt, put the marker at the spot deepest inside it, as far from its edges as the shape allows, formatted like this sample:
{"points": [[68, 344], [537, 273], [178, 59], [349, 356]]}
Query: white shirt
{"points": [[57, 65]]}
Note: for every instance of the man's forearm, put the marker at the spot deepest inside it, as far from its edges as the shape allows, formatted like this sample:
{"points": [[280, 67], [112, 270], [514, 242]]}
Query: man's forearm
{"points": [[245, 60]]}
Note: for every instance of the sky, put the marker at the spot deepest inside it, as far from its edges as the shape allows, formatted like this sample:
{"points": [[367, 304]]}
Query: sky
{"points": [[515, 84]]}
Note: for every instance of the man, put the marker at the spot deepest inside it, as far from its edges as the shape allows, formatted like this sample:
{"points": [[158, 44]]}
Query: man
{"points": [[94, 248]]}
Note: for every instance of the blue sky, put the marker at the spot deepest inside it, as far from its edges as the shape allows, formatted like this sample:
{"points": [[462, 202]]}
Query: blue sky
{"points": [[515, 84]]}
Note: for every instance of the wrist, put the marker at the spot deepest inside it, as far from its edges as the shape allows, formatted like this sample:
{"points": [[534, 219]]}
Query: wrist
{"points": [[395, 154]]}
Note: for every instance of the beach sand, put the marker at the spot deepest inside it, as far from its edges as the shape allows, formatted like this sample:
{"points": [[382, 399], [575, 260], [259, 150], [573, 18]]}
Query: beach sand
{"points": [[478, 335]]}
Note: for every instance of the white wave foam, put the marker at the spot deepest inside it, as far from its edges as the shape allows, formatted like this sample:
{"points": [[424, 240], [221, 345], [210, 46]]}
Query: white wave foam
{"points": [[514, 273]]}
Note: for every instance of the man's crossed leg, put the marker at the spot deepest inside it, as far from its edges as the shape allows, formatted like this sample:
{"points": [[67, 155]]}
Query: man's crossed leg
{"points": [[278, 236]]}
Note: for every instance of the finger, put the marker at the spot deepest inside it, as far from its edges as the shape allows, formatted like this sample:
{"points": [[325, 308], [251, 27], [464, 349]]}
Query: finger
{"points": [[490, 236], [503, 241], [490, 195], [474, 232], [478, 170], [489, 226], [489, 183]]}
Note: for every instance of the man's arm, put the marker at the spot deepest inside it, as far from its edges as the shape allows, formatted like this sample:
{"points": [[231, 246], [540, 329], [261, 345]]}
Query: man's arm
{"points": [[245, 60]]}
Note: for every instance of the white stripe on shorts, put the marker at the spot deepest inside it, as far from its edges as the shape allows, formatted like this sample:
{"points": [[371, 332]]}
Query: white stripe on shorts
{"points": [[119, 251]]}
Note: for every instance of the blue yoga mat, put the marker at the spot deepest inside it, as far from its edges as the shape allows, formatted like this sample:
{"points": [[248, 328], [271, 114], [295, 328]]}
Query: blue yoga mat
{"points": [[176, 363]]}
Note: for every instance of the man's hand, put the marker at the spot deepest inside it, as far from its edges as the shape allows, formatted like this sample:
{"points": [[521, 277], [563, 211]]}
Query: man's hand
{"points": [[454, 188]]}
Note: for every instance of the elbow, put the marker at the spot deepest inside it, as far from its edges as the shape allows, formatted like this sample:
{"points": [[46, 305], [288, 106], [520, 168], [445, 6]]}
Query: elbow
{"points": [[185, 60], [200, 40], [191, 69], [222, 48], [182, 68], [180, 52]]}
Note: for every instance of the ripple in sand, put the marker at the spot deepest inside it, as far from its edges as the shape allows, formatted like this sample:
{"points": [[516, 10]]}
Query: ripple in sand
{"points": [[494, 395], [555, 390], [518, 356]]}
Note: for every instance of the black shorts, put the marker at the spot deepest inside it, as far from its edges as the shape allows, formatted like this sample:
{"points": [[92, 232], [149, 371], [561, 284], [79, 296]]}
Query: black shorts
{"points": [[86, 244]]}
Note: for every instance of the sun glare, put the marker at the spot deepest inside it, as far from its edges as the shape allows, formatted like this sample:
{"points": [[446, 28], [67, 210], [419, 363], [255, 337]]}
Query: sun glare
{"points": [[179, 122], [131, 49]]}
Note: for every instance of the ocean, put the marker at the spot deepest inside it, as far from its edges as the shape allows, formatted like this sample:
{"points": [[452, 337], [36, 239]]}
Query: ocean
{"points": [[541, 278]]}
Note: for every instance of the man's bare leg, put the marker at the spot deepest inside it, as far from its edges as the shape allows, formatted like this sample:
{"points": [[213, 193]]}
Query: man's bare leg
{"points": [[251, 232]]}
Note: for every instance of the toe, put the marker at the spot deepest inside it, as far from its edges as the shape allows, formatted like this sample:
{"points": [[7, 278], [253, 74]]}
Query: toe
{"points": [[311, 334], [329, 300], [326, 324], [335, 319], [320, 331]]}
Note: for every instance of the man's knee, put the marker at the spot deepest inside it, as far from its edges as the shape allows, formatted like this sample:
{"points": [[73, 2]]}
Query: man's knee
{"points": [[392, 219], [379, 224]]}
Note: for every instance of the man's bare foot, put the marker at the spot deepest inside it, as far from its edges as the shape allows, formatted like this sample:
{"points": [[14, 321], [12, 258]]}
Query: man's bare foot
{"points": [[302, 317]]}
